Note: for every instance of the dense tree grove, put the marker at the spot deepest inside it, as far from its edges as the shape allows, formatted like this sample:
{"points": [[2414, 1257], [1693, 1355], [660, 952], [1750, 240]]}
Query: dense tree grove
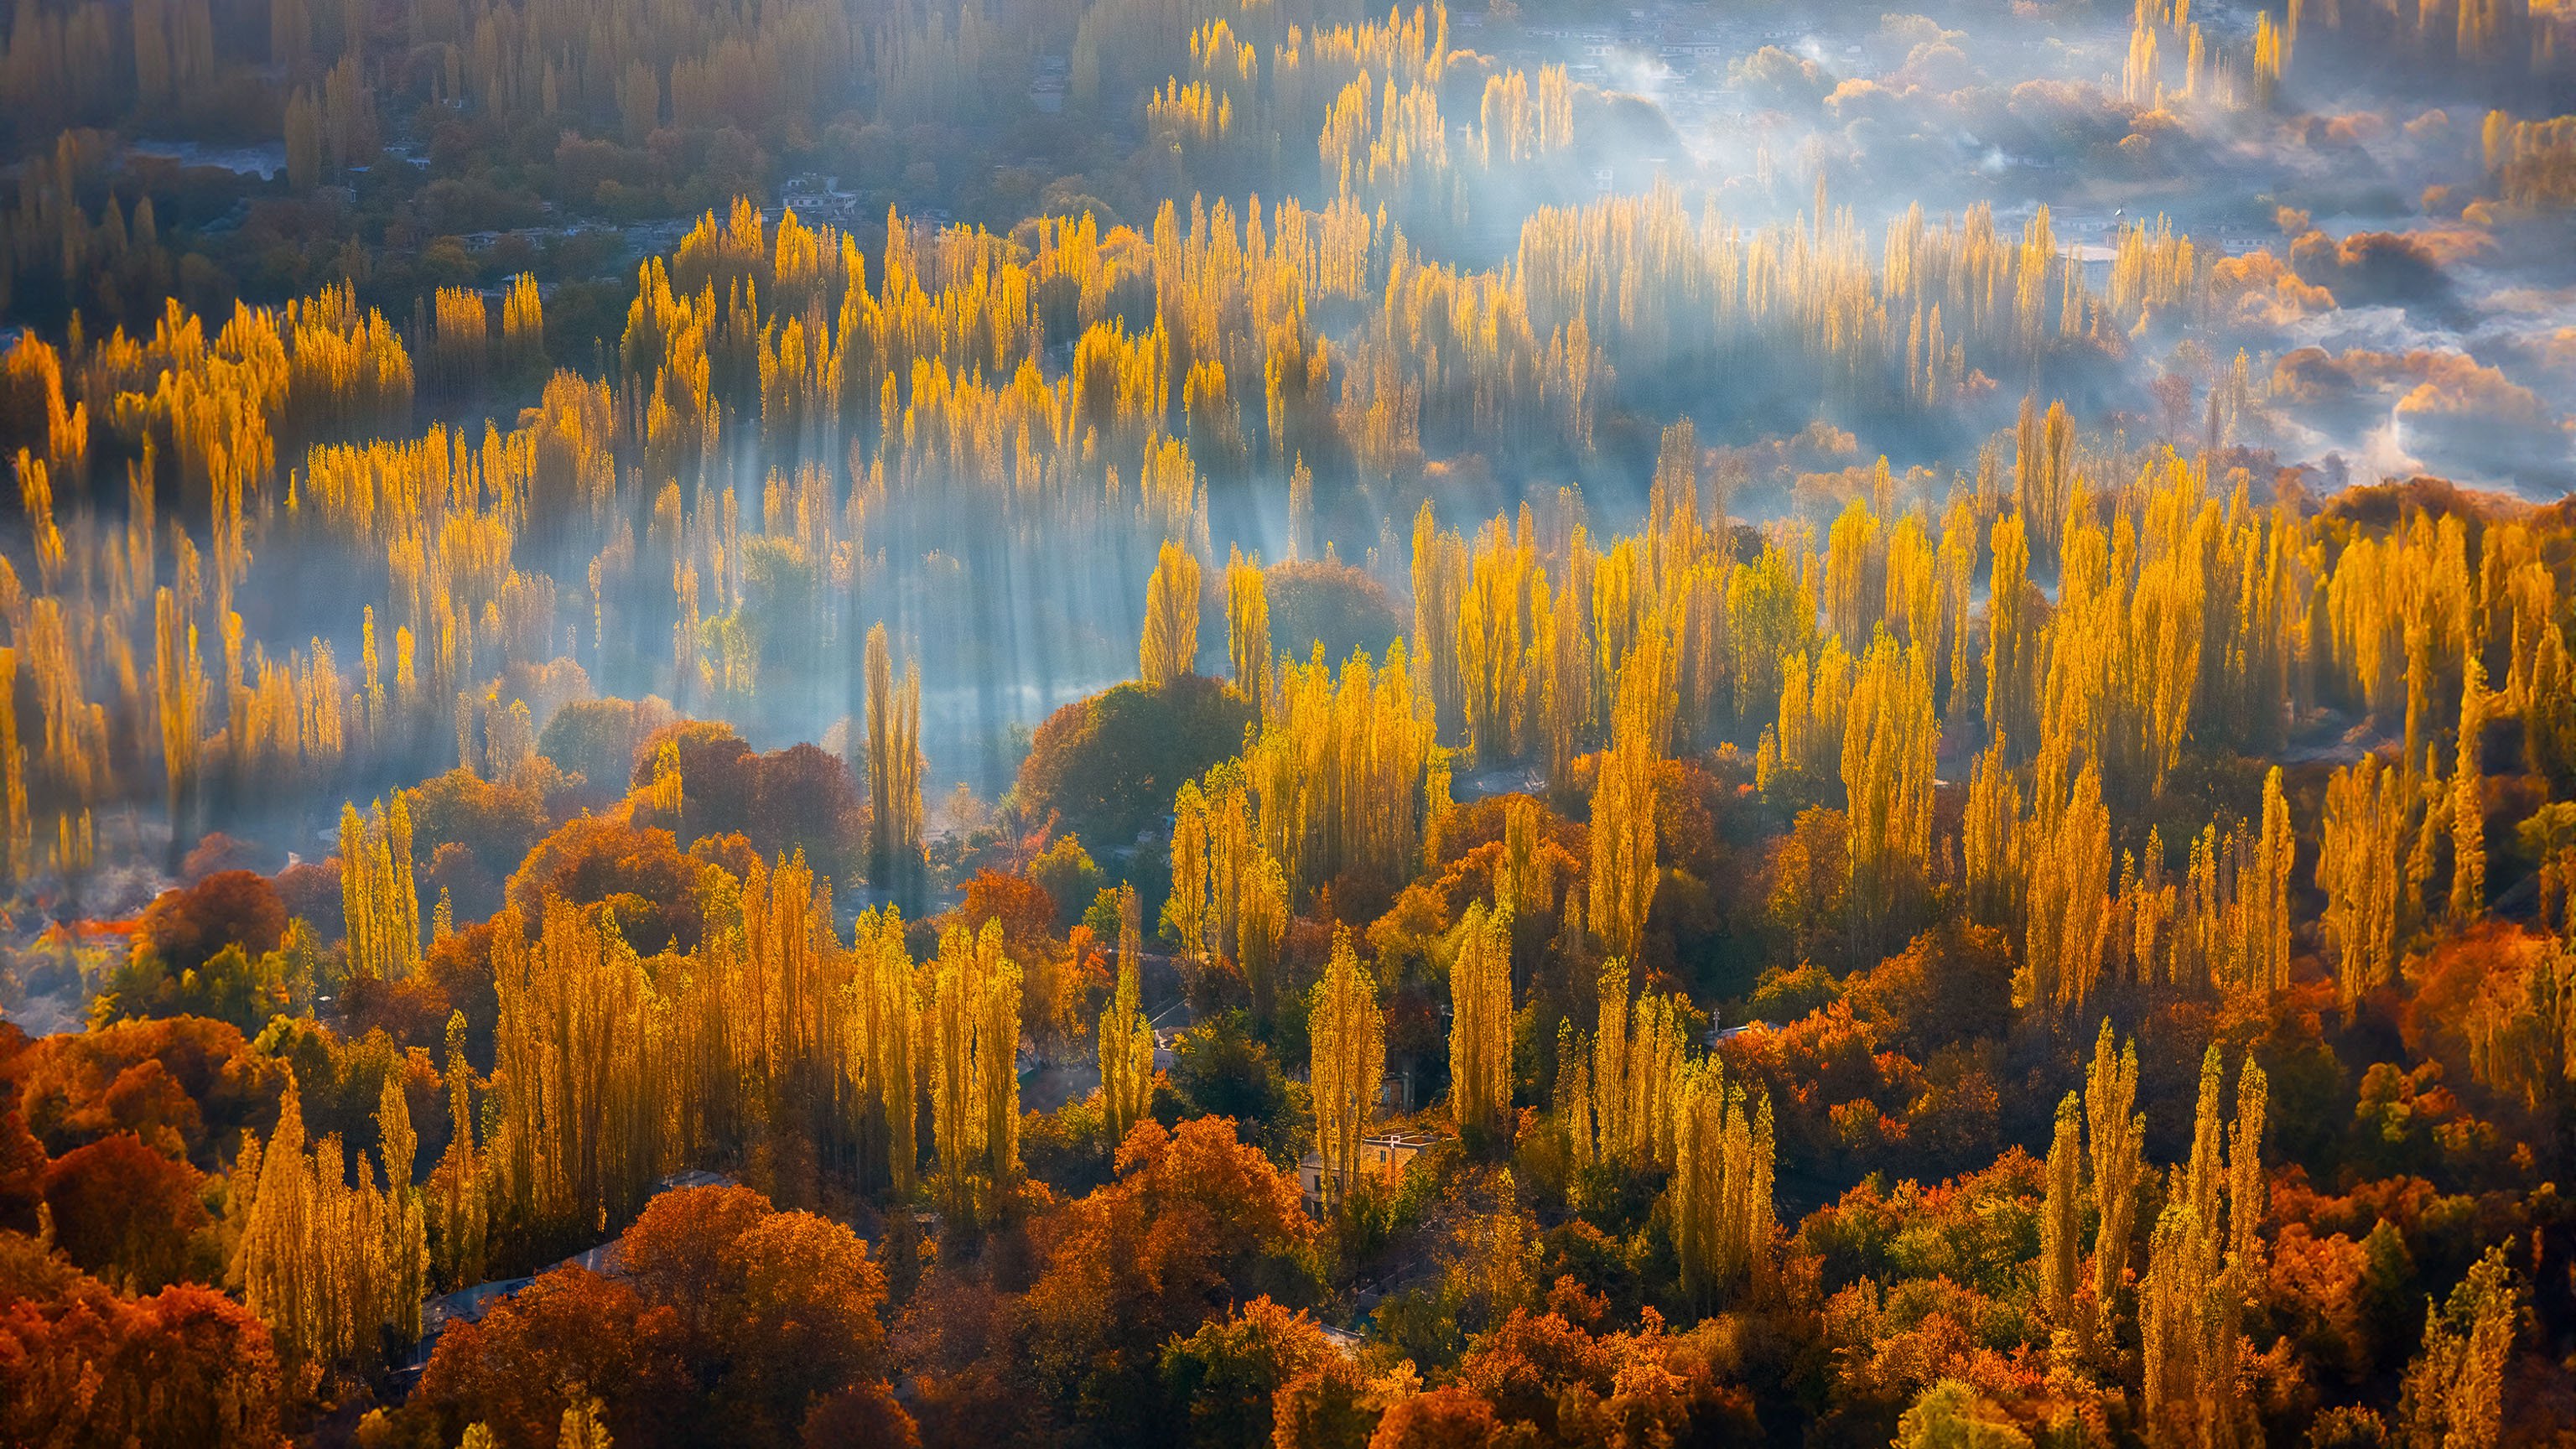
{"points": [[626, 823]]}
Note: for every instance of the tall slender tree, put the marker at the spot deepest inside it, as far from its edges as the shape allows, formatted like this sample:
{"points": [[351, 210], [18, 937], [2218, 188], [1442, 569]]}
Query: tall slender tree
{"points": [[1480, 1025], [1126, 1038], [895, 862], [1171, 644], [2061, 1215], [1347, 1032]]}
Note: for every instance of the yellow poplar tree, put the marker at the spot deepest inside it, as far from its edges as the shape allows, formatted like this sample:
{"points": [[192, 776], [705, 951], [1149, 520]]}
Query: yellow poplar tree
{"points": [[1723, 1218], [1480, 1023], [378, 891], [887, 1008], [1347, 1032], [1126, 1038], [974, 1080], [894, 773], [1171, 644], [2068, 922], [2454, 1390], [1889, 739], [2012, 635], [1623, 824], [2115, 1135], [1261, 932], [2468, 799], [2061, 1214], [2359, 870], [456, 1192], [405, 1228], [1247, 627]]}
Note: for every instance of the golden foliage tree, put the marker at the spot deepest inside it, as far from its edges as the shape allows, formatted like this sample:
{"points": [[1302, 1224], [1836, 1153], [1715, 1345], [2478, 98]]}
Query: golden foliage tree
{"points": [[1347, 1030], [1171, 644], [1247, 627], [974, 1033], [1721, 1185], [1126, 1038], [1480, 1023], [895, 860], [2061, 1214], [379, 892]]}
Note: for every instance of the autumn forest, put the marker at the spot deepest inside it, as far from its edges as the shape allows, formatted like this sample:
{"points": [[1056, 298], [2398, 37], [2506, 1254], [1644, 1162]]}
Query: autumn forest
{"points": [[1216, 723]]}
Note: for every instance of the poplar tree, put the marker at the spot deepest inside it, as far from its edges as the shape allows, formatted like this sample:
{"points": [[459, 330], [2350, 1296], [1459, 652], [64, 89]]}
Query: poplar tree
{"points": [[1480, 1025], [2068, 917], [1126, 1037], [895, 861], [1623, 814], [1570, 1109], [1186, 906], [974, 1077], [2011, 634], [1439, 582], [2453, 1394], [1171, 644], [1247, 627], [1657, 1046], [2248, 1189], [2115, 1136], [2468, 798], [1492, 644], [1347, 1032], [2203, 1263], [458, 1211], [2359, 870], [1990, 838], [1888, 743], [378, 891], [180, 693], [332, 1269], [404, 1227], [278, 1264], [1609, 1080], [13, 764], [1723, 1217], [888, 1012], [1566, 686], [2061, 1215], [2264, 888], [1524, 880], [668, 792], [577, 1054], [997, 1047], [1261, 933]]}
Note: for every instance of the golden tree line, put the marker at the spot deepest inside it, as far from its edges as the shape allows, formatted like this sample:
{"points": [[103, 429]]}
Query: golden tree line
{"points": [[890, 398], [2205, 1247], [769, 1041]]}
